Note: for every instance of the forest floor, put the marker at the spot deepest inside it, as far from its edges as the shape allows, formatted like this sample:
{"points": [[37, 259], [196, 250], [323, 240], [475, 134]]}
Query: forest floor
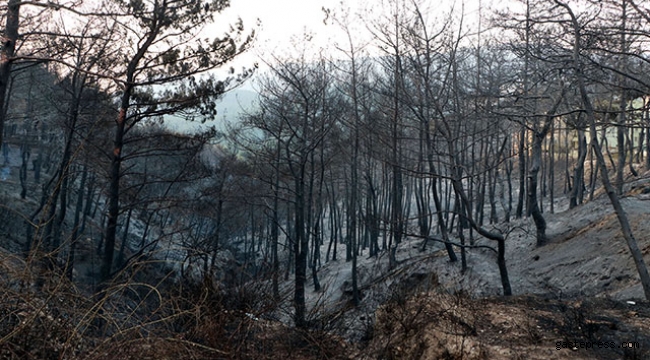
{"points": [[582, 287], [447, 326]]}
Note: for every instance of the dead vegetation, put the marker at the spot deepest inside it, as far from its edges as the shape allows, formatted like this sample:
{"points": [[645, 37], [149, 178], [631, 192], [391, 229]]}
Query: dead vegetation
{"points": [[148, 314], [129, 319], [438, 325]]}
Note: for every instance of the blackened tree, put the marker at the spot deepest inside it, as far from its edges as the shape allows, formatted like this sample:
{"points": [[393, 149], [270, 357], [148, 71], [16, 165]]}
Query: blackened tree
{"points": [[164, 72]]}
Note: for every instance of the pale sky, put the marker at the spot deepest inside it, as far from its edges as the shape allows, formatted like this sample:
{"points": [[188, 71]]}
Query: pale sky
{"points": [[283, 19], [280, 21]]}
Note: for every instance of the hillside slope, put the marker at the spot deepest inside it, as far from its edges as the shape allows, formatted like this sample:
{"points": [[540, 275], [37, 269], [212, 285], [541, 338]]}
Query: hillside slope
{"points": [[580, 288]]}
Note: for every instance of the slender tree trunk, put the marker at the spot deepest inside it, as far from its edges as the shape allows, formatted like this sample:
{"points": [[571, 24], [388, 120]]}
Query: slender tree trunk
{"points": [[492, 189], [116, 159], [7, 50], [275, 226], [620, 144], [551, 166], [74, 237], [300, 251], [536, 160], [577, 191], [522, 172], [65, 164], [114, 189], [25, 153], [63, 209], [125, 238], [620, 128], [461, 235], [568, 186], [509, 166], [373, 218], [630, 142], [639, 152], [441, 221], [89, 201], [522, 131], [540, 223], [646, 116], [353, 211]]}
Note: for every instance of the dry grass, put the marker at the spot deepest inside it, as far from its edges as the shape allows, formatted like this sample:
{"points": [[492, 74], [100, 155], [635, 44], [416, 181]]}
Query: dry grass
{"points": [[436, 325], [137, 319]]}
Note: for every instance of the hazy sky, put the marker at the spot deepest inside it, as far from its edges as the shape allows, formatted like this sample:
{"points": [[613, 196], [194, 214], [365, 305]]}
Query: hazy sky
{"points": [[280, 20], [283, 19]]}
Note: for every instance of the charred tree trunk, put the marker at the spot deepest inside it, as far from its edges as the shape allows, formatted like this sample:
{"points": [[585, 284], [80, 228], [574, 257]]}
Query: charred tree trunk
{"points": [[577, 191], [77, 224], [522, 172], [114, 189], [536, 161], [7, 50], [275, 224]]}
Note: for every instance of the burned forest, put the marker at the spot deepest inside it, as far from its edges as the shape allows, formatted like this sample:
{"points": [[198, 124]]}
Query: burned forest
{"points": [[400, 179]]}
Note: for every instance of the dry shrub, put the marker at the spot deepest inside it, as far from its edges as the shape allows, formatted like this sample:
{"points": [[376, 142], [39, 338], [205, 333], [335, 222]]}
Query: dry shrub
{"points": [[144, 314], [244, 328], [429, 326], [35, 323]]}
